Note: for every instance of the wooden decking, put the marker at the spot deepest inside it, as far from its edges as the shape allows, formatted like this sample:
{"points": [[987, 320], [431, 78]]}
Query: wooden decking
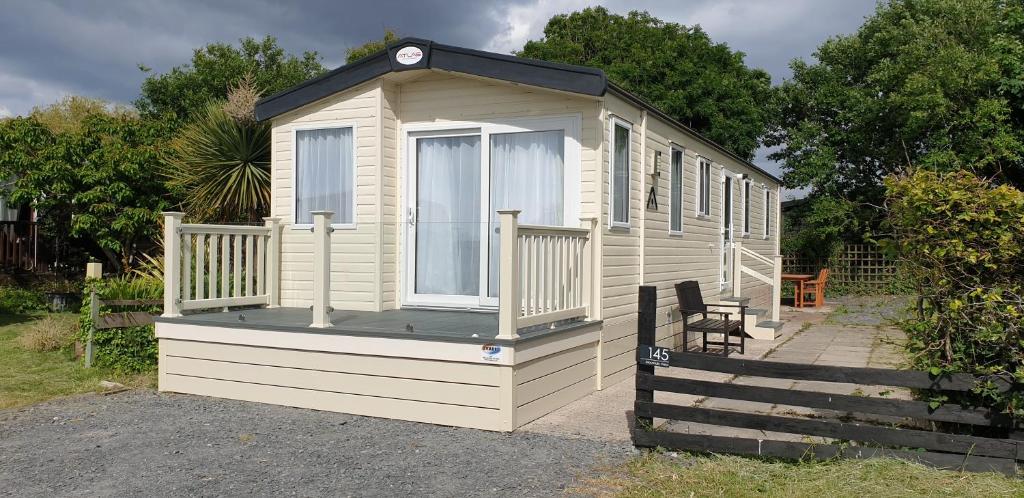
{"points": [[470, 327]]}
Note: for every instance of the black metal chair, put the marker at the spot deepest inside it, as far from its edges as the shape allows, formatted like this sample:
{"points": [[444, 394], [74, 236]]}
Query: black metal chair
{"points": [[691, 302]]}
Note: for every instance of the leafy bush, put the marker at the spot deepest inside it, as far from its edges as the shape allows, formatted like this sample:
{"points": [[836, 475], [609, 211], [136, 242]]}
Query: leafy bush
{"points": [[130, 349], [14, 300], [960, 239], [51, 333]]}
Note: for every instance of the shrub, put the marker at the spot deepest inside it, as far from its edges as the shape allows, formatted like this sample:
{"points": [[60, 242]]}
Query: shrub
{"points": [[14, 300], [960, 240], [130, 349], [51, 333]]}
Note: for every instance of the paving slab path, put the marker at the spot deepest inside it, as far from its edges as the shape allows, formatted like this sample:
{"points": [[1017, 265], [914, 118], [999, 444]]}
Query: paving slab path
{"points": [[853, 332]]}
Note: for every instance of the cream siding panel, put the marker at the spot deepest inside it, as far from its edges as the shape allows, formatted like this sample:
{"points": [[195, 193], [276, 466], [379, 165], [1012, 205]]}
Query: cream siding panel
{"points": [[389, 225], [669, 258], [354, 262]]}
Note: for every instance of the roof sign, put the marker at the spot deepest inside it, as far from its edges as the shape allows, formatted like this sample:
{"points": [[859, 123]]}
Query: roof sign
{"points": [[408, 56]]}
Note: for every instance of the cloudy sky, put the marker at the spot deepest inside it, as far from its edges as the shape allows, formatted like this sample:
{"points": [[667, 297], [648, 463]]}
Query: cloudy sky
{"points": [[53, 48]]}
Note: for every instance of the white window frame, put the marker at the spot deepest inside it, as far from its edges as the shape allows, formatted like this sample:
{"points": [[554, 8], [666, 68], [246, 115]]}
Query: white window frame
{"points": [[673, 207], [747, 190], [702, 202], [767, 212], [329, 125], [612, 123]]}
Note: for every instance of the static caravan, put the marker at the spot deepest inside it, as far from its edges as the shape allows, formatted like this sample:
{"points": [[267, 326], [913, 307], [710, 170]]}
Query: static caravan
{"points": [[457, 237]]}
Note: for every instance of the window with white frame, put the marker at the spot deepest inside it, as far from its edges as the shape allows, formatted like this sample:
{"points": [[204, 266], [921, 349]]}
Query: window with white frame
{"points": [[676, 192], [325, 174], [767, 212], [703, 187], [746, 207], [619, 198]]}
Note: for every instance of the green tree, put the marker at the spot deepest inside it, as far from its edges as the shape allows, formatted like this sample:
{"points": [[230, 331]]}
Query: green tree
{"points": [[67, 114], [371, 47], [677, 68], [221, 160], [933, 84], [99, 184], [186, 90]]}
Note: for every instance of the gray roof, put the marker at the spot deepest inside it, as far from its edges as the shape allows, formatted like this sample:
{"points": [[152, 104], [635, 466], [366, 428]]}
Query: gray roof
{"points": [[564, 77]]}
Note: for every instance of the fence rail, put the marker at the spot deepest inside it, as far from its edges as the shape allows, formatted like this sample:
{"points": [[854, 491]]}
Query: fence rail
{"points": [[860, 265], [213, 266], [946, 448], [544, 273]]}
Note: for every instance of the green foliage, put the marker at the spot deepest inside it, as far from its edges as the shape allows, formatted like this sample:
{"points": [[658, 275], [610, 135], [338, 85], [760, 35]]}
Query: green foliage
{"points": [[68, 114], [124, 350], [186, 90], [934, 84], [677, 68], [15, 300], [960, 240], [371, 47], [98, 183], [817, 228], [223, 166]]}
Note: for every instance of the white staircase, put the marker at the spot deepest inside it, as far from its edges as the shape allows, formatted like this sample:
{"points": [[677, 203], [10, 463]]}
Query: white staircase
{"points": [[759, 323]]}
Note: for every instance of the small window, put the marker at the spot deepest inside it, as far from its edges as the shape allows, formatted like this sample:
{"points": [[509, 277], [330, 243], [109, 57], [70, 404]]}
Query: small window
{"points": [[676, 199], [620, 174], [768, 208], [704, 187], [746, 207], [325, 174]]}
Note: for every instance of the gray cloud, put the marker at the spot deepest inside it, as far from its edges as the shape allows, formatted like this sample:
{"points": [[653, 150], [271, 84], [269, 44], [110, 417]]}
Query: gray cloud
{"points": [[51, 48]]}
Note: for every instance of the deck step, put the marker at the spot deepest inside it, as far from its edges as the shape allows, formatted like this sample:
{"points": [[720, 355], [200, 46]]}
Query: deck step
{"points": [[768, 324], [734, 300]]}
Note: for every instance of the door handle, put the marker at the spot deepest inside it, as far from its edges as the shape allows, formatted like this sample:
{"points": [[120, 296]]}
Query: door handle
{"points": [[411, 218]]}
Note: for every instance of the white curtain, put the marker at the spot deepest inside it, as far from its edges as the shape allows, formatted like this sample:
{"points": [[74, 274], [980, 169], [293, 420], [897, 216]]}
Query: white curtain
{"points": [[448, 217], [527, 173], [620, 175], [324, 176]]}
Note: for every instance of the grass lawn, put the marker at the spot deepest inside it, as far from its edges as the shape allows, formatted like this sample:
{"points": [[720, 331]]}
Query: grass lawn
{"points": [[654, 475], [28, 377]]}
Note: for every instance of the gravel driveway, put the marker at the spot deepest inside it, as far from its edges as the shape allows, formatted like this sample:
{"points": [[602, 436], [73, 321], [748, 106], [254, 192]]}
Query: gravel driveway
{"points": [[155, 444]]}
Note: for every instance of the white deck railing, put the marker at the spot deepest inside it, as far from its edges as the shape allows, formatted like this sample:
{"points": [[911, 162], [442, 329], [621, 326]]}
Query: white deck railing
{"points": [[545, 273], [739, 269], [214, 266]]}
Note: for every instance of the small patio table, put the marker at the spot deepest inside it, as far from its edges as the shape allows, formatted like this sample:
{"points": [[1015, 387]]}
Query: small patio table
{"points": [[798, 280]]}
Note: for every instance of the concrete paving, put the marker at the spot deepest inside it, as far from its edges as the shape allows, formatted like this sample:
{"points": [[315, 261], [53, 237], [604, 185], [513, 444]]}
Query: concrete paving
{"points": [[853, 332]]}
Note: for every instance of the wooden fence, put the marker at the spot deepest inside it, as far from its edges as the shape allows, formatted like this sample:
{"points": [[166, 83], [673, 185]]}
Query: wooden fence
{"points": [[858, 265], [19, 245], [860, 439]]}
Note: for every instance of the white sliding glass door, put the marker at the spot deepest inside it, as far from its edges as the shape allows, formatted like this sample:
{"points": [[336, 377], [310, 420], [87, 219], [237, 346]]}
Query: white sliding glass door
{"points": [[445, 226], [527, 173], [458, 180]]}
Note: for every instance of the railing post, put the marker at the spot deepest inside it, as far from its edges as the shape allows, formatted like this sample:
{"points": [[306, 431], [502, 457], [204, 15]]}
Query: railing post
{"points": [[321, 268], [737, 265], [587, 272], [776, 287], [273, 268], [509, 301], [647, 312], [172, 264]]}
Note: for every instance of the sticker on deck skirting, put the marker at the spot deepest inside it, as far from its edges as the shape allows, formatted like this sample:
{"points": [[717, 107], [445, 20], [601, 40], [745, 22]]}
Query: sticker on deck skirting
{"points": [[490, 352]]}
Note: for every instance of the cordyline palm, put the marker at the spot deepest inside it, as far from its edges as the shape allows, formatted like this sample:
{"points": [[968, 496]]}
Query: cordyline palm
{"points": [[222, 164]]}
